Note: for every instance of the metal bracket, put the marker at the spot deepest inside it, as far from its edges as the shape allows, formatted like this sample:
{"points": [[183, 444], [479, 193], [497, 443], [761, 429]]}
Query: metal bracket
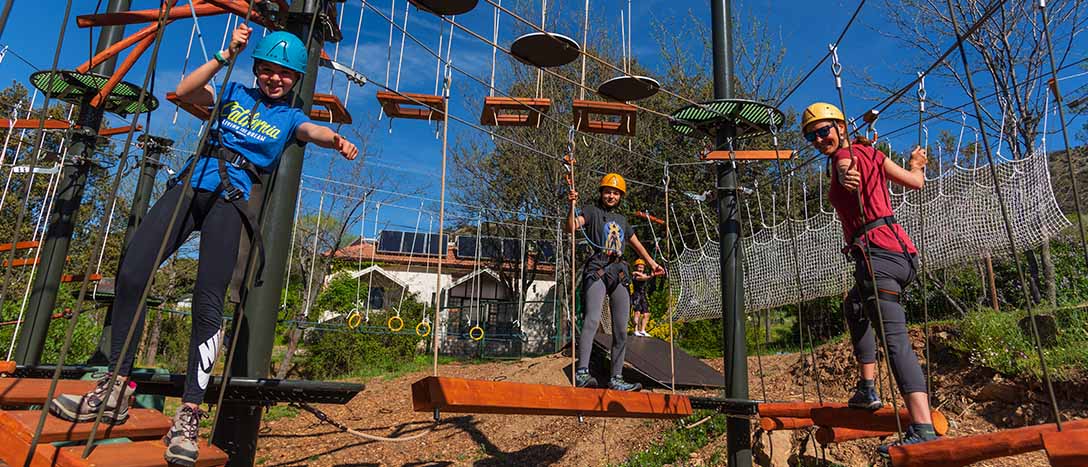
{"points": [[354, 76]]}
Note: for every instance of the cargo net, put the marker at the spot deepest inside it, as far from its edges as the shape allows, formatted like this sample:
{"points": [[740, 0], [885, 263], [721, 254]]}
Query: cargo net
{"points": [[963, 222]]}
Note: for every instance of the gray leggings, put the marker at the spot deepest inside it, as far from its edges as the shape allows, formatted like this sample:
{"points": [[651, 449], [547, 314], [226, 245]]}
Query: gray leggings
{"points": [[620, 301], [893, 272]]}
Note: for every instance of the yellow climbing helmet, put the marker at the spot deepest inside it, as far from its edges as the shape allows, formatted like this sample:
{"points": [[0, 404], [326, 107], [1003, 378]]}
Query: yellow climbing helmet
{"points": [[640, 262], [820, 111], [614, 180]]}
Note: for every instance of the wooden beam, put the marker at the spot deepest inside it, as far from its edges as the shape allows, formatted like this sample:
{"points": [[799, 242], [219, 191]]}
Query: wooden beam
{"points": [[334, 112], [832, 434], [514, 111], [784, 423], [749, 155], [137, 454], [66, 278], [32, 391], [411, 105], [33, 123], [587, 117], [119, 130], [793, 409], [879, 420], [21, 262], [1068, 448], [648, 217], [957, 452], [458, 395], [146, 16], [7, 367], [19, 246]]}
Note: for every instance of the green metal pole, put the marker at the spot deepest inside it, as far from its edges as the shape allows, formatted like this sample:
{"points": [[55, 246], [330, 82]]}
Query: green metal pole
{"points": [[738, 430], [237, 431], [73, 181]]}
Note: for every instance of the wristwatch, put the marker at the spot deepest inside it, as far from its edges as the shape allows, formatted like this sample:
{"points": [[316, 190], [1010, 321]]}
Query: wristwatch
{"points": [[219, 58]]}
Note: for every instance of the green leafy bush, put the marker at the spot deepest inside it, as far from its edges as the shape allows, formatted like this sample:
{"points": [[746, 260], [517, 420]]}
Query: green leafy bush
{"points": [[678, 443], [995, 340]]}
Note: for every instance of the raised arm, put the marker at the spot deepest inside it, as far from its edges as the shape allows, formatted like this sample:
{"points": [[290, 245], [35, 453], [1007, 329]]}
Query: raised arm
{"points": [[326, 138], [195, 88], [915, 178]]}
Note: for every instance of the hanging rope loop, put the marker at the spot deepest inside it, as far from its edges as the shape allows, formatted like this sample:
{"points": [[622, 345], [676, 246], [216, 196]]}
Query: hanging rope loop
{"points": [[836, 67], [921, 92]]}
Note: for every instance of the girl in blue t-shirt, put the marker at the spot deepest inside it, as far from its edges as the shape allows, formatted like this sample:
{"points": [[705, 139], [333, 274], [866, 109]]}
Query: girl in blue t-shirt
{"points": [[253, 127]]}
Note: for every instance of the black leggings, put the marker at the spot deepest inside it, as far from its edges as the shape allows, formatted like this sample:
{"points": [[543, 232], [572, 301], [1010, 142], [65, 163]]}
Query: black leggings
{"points": [[218, 253], [893, 272]]}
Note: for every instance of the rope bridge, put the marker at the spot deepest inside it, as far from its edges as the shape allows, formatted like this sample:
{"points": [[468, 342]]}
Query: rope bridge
{"points": [[963, 222]]}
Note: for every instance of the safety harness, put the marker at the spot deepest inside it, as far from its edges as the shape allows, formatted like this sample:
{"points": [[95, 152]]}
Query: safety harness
{"points": [[214, 149], [614, 272]]}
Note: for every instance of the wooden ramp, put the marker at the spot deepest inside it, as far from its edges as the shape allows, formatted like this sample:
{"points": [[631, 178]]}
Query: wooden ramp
{"points": [[966, 450], [458, 395], [135, 443], [649, 358]]}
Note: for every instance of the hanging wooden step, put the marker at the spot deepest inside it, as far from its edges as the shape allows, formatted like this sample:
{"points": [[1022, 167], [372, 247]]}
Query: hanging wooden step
{"points": [[458, 395], [32, 391], [879, 420], [7, 367], [1067, 448], [784, 423], [118, 130], [749, 155], [965, 450], [514, 111], [826, 435], [411, 105], [136, 454], [33, 123], [21, 262], [141, 424], [67, 278], [333, 112], [610, 118]]}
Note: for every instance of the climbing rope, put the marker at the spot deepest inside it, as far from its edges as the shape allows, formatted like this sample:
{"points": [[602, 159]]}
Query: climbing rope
{"points": [[325, 418]]}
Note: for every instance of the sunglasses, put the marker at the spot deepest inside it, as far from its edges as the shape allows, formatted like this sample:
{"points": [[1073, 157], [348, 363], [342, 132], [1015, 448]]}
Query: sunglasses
{"points": [[821, 133]]}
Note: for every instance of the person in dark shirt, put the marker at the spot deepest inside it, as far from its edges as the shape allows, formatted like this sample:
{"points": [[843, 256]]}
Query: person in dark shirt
{"points": [[253, 128], [604, 273], [881, 249], [640, 304]]}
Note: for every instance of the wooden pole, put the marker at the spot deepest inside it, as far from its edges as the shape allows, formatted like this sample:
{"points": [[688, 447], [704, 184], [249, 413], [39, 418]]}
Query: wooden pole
{"points": [[992, 281], [956, 452]]}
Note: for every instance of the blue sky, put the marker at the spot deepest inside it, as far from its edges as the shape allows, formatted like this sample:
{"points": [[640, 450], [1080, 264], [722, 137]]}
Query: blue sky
{"points": [[409, 155]]}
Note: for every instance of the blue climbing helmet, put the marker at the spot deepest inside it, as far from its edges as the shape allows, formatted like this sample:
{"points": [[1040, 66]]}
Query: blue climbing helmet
{"points": [[282, 48]]}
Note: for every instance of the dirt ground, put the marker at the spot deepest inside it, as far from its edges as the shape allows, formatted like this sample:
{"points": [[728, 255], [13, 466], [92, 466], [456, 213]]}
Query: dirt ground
{"points": [[974, 399]]}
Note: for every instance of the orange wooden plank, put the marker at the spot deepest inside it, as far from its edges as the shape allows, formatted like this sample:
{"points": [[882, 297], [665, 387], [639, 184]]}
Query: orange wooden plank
{"points": [[137, 454], [784, 423], [647, 216], [1068, 448], [749, 155], [20, 262], [32, 391], [588, 117], [458, 395], [145, 16], [19, 246], [880, 420], [411, 105], [511, 111], [956, 452], [830, 434], [32, 124], [793, 409], [141, 424], [119, 130], [66, 278], [14, 450], [7, 367], [197, 111]]}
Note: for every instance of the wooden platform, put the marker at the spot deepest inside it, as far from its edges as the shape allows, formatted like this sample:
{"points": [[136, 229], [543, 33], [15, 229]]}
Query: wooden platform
{"points": [[610, 118], [514, 111], [749, 155], [456, 395], [141, 424], [411, 105], [136, 454], [966, 450]]}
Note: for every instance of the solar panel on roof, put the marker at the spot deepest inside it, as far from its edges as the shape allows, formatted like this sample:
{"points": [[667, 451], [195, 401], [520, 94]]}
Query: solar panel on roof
{"points": [[399, 242], [509, 249]]}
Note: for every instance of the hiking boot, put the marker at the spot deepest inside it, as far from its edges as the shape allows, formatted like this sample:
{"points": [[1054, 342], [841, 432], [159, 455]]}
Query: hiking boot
{"points": [[584, 380], [916, 433], [181, 440], [619, 384], [865, 396], [83, 408]]}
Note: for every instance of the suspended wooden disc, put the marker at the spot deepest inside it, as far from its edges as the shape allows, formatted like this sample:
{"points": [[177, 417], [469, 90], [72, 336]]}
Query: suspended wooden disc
{"points": [[629, 88], [445, 7], [545, 49], [74, 87]]}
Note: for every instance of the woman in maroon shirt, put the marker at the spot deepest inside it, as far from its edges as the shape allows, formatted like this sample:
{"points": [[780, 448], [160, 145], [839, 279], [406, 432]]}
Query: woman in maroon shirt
{"points": [[881, 249]]}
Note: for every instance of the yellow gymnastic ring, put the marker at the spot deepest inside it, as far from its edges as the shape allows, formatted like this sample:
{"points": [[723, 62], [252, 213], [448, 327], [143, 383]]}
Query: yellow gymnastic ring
{"points": [[395, 327], [423, 325], [472, 333], [355, 319]]}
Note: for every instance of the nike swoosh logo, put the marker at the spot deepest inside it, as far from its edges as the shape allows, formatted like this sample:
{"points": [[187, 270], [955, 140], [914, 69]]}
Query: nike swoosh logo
{"points": [[208, 351]]}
